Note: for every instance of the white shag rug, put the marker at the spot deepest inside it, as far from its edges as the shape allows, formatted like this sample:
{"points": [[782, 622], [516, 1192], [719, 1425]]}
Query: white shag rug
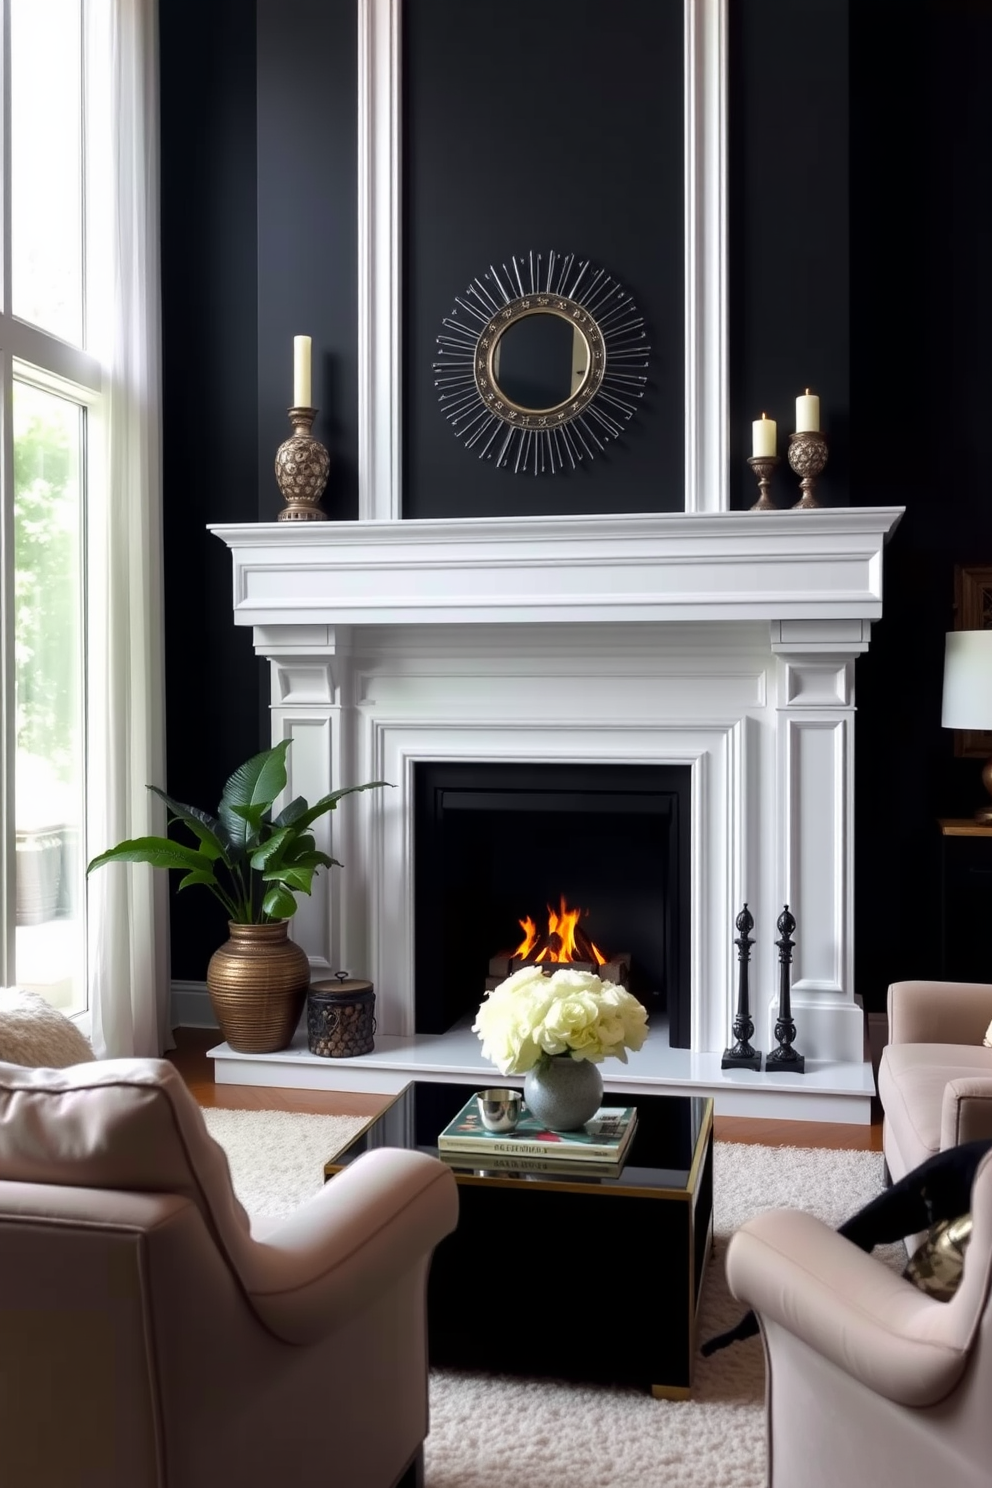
{"points": [[489, 1429], [277, 1157]]}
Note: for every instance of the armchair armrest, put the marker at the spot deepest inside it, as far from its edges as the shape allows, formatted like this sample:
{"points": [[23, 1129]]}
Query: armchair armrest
{"points": [[966, 1110], [370, 1225], [939, 1012], [848, 1306]]}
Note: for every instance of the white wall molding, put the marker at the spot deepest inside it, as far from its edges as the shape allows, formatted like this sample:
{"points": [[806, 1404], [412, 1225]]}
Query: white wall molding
{"points": [[707, 421], [190, 1006], [716, 757], [380, 420]]}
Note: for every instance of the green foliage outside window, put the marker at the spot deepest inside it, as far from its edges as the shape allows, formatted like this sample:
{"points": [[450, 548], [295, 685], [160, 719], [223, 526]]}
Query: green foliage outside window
{"points": [[46, 578]]}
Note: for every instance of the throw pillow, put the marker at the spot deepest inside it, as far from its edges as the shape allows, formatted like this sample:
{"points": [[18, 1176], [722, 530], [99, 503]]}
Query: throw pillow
{"points": [[987, 1040], [937, 1265], [32, 1032]]}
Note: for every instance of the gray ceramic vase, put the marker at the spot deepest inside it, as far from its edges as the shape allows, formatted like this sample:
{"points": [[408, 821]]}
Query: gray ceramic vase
{"points": [[562, 1092]]}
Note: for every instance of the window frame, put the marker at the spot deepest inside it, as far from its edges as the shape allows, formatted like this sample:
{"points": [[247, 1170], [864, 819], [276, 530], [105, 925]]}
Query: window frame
{"points": [[40, 359]]}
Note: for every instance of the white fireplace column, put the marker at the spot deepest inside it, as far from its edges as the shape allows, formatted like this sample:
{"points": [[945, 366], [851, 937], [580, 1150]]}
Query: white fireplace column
{"points": [[311, 703], [815, 800]]}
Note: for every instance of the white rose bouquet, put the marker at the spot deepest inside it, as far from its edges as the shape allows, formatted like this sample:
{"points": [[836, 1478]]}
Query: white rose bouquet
{"points": [[531, 1016]]}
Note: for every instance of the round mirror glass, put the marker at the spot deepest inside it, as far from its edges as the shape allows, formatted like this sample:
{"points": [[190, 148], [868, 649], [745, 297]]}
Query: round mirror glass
{"points": [[540, 361]]}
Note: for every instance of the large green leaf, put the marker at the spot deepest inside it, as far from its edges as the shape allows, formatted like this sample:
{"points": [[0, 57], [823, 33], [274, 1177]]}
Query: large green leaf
{"points": [[313, 858], [160, 852], [198, 876], [328, 803], [305, 843], [279, 903], [250, 792], [254, 816], [290, 814], [294, 877], [204, 826], [269, 851]]}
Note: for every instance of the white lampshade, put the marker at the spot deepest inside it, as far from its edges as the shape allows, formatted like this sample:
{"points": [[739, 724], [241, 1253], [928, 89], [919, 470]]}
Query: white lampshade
{"points": [[968, 680]]}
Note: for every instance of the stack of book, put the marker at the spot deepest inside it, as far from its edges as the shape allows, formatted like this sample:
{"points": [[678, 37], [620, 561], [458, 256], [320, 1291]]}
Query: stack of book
{"points": [[598, 1150]]}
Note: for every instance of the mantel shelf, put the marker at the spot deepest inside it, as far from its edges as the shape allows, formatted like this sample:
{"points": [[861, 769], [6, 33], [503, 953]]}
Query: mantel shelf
{"points": [[783, 565]]}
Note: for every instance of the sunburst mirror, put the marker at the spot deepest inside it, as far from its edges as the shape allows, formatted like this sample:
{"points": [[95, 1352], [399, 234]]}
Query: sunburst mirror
{"points": [[542, 364]]}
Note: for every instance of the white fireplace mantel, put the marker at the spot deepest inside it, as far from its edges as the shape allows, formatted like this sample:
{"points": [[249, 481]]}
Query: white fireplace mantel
{"points": [[790, 565], [725, 642]]}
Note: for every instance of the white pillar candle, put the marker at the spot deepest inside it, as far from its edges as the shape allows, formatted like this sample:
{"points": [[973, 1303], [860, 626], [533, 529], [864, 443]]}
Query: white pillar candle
{"points": [[807, 413], [301, 372], [764, 432]]}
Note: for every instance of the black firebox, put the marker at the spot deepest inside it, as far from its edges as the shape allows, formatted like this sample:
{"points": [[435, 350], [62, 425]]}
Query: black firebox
{"points": [[496, 843]]}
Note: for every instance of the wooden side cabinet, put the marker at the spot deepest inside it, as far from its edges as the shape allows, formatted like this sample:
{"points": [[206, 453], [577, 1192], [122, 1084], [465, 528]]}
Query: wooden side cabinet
{"points": [[965, 901]]}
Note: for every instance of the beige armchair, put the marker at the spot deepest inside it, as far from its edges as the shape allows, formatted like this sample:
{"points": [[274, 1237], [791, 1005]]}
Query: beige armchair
{"points": [[870, 1381], [147, 1340], [935, 1074]]}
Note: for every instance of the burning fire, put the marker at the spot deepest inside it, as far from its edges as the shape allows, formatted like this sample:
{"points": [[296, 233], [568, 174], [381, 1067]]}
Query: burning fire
{"points": [[559, 943]]}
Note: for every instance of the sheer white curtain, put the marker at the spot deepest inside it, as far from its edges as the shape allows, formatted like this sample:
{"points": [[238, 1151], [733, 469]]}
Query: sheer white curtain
{"points": [[127, 906]]}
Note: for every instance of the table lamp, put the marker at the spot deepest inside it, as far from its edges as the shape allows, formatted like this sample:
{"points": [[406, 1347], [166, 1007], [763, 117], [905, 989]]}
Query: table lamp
{"points": [[968, 693]]}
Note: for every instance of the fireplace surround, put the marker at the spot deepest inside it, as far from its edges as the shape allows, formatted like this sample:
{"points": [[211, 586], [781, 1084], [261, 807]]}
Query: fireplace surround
{"points": [[720, 643]]}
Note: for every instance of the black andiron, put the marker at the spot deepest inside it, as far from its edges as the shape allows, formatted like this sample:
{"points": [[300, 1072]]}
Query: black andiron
{"points": [[742, 1056], [785, 1057]]}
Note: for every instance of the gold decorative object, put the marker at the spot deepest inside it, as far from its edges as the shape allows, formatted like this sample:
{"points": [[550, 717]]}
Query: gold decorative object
{"points": [[937, 1265], [764, 468], [302, 464], [807, 456], [257, 981], [541, 363]]}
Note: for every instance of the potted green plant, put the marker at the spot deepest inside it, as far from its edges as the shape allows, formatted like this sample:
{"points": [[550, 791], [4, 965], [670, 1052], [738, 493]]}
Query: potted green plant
{"points": [[255, 864]]}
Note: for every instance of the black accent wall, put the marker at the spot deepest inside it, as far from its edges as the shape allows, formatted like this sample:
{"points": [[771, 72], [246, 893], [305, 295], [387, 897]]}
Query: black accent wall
{"points": [[210, 414], [531, 128], [860, 222]]}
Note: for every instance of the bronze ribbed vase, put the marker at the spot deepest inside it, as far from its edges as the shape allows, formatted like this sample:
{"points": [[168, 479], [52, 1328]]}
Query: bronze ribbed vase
{"points": [[258, 982]]}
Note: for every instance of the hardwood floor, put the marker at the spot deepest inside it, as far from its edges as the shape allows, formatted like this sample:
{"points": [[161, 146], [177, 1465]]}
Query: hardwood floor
{"points": [[190, 1058]]}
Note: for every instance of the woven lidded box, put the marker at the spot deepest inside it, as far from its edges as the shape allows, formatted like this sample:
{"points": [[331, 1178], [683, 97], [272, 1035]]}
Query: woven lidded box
{"points": [[341, 1017]]}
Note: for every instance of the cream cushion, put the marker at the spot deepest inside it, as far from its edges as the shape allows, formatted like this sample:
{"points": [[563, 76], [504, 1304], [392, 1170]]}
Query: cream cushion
{"points": [[32, 1032]]}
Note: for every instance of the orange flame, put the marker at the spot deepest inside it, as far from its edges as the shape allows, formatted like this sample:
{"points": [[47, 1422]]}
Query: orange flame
{"points": [[560, 944], [530, 938]]}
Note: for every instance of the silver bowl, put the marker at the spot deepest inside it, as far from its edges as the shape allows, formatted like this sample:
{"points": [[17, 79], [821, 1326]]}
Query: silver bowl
{"points": [[499, 1109]]}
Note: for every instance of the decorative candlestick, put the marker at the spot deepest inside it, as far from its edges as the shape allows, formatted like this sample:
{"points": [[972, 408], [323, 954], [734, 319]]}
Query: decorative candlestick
{"points": [[785, 1056], [301, 467], [742, 1056], [807, 456], [763, 467]]}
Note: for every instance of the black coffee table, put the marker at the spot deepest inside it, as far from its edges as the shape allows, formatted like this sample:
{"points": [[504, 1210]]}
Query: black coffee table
{"points": [[567, 1277]]}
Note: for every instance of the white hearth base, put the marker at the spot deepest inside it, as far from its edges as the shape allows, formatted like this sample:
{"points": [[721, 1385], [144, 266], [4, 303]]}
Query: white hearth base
{"points": [[828, 1091]]}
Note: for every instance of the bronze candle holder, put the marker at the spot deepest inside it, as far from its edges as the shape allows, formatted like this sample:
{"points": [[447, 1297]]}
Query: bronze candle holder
{"points": [[764, 467], [302, 464], [807, 456]]}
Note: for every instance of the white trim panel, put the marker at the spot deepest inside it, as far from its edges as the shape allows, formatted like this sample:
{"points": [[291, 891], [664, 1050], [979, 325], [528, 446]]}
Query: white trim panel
{"points": [[715, 754], [379, 263], [707, 459]]}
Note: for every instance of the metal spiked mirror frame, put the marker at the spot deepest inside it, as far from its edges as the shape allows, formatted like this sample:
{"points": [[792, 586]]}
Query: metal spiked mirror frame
{"points": [[575, 375]]}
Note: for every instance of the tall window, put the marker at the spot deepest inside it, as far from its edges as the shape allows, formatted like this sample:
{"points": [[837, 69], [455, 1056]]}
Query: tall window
{"points": [[52, 398]]}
